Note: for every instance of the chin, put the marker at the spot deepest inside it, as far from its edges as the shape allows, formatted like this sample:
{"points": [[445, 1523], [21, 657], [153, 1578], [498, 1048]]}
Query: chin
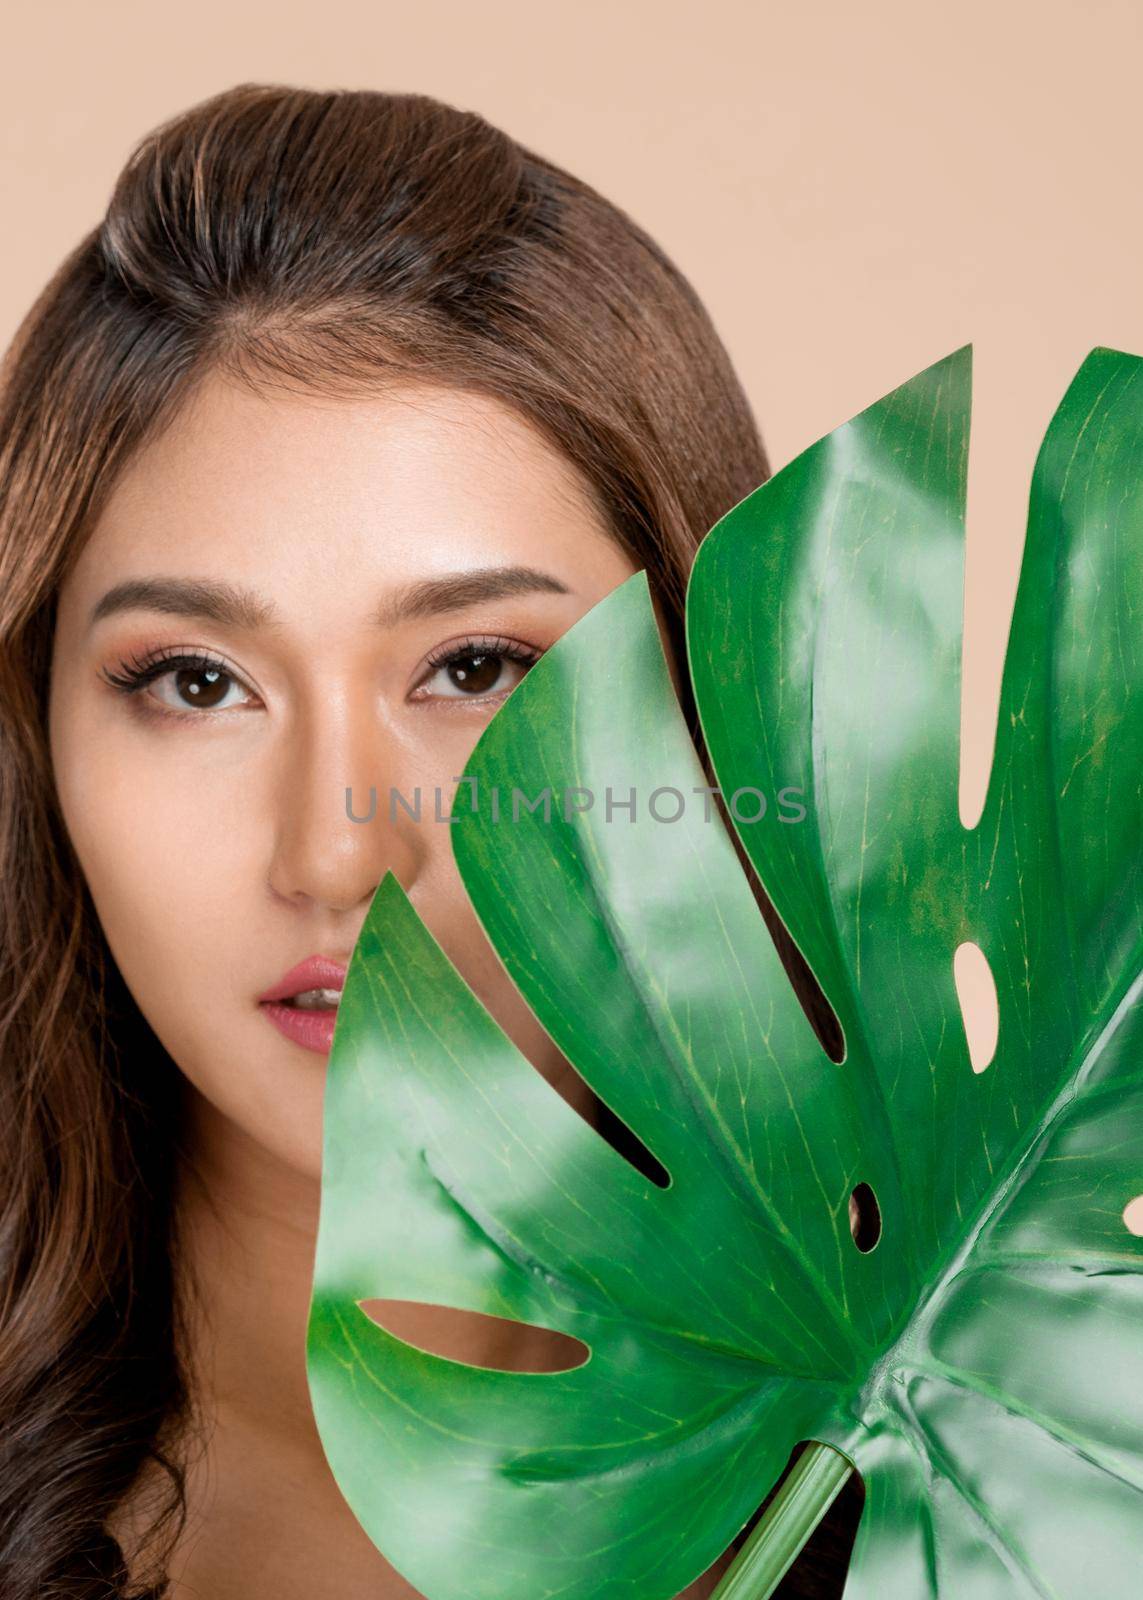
{"points": [[298, 1148]]}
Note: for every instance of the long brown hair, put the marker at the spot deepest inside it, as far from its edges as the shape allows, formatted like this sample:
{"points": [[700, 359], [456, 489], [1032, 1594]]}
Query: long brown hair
{"points": [[309, 239]]}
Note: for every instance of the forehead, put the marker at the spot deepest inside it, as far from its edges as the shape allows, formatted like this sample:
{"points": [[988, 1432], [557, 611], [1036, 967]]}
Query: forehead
{"points": [[289, 490]]}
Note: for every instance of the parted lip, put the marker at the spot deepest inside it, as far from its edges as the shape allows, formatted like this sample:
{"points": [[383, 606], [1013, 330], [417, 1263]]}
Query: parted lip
{"points": [[315, 972]]}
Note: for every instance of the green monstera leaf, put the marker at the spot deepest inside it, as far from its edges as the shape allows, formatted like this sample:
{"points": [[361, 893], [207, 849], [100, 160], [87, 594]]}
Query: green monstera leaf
{"points": [[982, 1364]]}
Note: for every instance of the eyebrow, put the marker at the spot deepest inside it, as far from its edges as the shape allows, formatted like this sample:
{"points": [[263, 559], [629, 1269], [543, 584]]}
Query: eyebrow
{"points": [[216, 601]]}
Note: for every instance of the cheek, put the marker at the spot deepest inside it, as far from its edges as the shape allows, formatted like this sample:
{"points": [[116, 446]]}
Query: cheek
{"points": [[174, 867], [164, 860]]}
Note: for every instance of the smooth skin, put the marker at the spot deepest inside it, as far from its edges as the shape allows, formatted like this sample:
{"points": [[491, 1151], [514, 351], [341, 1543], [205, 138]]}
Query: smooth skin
{"points": [[208, 815]]}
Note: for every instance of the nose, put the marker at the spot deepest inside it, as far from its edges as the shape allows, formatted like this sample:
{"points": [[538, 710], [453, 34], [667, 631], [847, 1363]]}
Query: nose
{"points": [[328, 762]]}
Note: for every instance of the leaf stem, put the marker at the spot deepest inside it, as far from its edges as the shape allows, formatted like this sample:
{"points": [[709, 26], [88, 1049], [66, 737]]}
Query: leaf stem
{"points": [[806, 1494]]}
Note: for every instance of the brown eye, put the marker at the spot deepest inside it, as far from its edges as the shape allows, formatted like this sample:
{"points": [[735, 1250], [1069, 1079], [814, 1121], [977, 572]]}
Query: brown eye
{"points": [[205, 689], [476, 673], [476, 669], [190, 683]]}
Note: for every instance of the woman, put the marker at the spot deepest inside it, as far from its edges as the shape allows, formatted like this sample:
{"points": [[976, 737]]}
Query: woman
{"points": [[348, 408]]}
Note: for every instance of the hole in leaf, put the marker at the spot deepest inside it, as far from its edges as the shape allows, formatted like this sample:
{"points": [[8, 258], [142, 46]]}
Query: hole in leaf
{"points": [[497, 1344], [864, 1218], [623, 1139], [1133, 1216], [980, 1013], [820, 1015], [574, 1088], [821, 1568]]}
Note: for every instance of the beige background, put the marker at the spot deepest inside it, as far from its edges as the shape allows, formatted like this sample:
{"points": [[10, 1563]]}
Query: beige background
{"points": [[855, 188]]}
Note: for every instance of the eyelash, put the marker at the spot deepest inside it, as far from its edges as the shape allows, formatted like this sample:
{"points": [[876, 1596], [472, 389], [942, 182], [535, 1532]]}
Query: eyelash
{"points": [[482, 644], [138, 673]]}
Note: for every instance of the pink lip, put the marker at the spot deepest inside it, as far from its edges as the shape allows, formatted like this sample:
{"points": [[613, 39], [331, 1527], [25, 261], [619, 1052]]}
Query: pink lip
{"points": [[312, 1029], [315, 972]]}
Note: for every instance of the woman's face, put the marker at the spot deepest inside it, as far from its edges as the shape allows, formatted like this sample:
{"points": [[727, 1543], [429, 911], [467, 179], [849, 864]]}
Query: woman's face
{"points": [[321, 555]]}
